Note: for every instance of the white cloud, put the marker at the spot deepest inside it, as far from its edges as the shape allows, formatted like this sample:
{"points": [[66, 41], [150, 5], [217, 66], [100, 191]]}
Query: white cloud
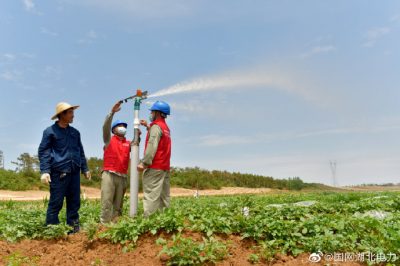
{"points": [[10, 75], [143, 9], [92, 34], [318, 50], [24, 101], [48, 32], [375, 34], [223, 140], [29, 5], [83, 82], [53, 72], [89, 38], [9, 57], [395, 18], [27, 87], [28, 55]]}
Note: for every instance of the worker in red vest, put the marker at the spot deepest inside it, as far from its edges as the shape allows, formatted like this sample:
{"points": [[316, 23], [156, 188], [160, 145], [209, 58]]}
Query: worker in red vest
{"points": [[156, 160], [115, 167]]}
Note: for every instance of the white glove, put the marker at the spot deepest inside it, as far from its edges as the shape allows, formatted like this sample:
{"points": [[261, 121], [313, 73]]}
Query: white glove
{"points": [[45, 178], [88, 175]]}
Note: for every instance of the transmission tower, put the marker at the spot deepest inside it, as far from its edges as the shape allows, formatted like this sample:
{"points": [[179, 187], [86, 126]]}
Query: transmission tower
{"points": [[333, 170]]}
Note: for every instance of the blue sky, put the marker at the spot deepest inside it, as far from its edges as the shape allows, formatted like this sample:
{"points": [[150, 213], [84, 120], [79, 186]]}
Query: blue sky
{"points": [[283, 86]]}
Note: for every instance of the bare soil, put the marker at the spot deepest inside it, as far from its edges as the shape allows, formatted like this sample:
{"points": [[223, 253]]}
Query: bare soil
{"points": [[94, 193], [373, 188], [77, 250]]}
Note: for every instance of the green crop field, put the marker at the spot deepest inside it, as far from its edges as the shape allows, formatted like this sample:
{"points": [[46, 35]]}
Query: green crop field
{"points": [[366, 224]]}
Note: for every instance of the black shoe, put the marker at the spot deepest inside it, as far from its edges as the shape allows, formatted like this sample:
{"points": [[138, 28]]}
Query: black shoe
{"points": [[74, 230]]}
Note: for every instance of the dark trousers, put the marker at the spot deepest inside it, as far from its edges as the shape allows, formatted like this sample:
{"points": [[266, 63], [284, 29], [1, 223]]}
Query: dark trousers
{"points": [[68, 186]]}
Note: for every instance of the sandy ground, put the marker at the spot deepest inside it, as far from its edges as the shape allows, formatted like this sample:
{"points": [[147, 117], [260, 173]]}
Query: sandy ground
{"points": [[373, 188], [94, 193]]}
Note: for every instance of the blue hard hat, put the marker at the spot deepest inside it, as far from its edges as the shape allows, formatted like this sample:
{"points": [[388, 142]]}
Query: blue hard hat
{"points": [[161, 106], [117, 123]]}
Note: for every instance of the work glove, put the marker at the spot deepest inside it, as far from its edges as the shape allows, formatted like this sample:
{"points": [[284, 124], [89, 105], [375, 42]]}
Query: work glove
{"points": [[45, 178], [88, 175]]}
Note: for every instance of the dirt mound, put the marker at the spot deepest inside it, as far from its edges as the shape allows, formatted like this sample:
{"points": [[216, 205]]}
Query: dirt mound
{"points": [[77, 250]]}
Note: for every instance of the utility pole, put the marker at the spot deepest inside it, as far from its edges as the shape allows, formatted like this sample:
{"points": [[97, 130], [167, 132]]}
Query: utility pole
{"points": [[333, 165]]}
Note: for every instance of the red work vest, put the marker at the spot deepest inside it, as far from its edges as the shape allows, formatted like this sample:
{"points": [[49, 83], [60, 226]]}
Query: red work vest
{"points": [[116, 155], [162, 158]]}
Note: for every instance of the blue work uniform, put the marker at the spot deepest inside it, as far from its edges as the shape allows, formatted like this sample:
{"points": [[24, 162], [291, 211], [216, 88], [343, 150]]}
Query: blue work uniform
{"points": [[62, 156]]}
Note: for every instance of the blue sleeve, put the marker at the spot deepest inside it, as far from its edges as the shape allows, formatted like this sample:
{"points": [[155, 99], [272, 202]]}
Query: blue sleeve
{"points": [[84, 167], [44, 153]]}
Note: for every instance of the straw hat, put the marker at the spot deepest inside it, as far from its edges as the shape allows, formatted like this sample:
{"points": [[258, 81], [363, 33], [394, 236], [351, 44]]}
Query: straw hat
{"points": [[61, 107]]}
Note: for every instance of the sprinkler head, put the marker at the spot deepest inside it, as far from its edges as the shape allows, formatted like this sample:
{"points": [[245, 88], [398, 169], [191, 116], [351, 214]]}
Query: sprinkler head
{"points": [[139, 94], [144, 94]]}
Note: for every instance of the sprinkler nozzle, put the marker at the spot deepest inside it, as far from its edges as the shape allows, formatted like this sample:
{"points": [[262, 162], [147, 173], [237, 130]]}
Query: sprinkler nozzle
{"points": [[139, 94]]}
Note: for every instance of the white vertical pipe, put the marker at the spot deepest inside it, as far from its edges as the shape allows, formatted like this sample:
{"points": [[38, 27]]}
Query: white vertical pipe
{"points": [[134, 180]]}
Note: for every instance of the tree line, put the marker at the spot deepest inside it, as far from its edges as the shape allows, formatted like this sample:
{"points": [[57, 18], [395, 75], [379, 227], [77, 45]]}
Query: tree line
{"points": [[26, 176]]}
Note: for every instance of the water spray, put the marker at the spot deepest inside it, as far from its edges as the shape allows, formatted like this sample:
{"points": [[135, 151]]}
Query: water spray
{"points": [[134, 179], [260, 78]]}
